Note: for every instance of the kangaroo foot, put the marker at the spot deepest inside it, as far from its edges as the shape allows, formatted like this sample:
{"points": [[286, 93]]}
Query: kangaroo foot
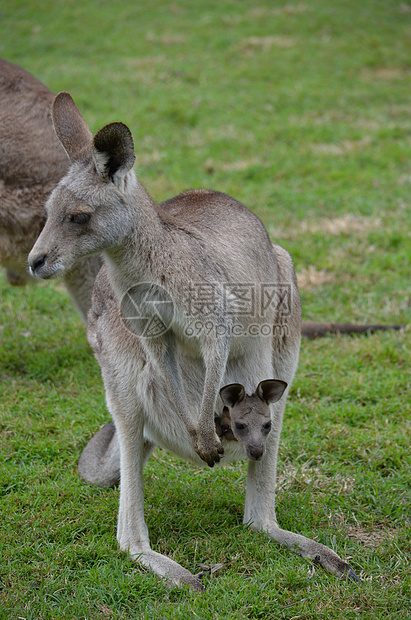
{"points": [[327, 559], [170, 572], [332, 562], [314, 551]]}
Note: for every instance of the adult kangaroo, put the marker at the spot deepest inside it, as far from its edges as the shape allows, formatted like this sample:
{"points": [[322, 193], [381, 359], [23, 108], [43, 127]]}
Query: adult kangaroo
{"points": [[200, 255], [32, 161]]}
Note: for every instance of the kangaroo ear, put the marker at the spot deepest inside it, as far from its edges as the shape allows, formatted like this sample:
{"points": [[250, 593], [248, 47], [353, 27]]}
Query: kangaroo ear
{"points": [[70, 127], [271, 390], [232, 394], [113, 151]]}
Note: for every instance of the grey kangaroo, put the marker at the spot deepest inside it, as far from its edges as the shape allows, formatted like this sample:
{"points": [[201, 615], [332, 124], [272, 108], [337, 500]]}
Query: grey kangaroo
{"points": [[164, 390], [32, 161]]}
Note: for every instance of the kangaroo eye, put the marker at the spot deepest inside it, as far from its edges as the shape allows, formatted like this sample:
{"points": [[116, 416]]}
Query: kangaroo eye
{"points": [[239, 427], [267, 427], [80, 218]]}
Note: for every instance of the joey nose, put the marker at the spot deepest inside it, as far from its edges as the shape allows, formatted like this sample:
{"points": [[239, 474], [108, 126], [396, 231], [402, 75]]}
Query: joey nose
{"points": [[255, 453]]}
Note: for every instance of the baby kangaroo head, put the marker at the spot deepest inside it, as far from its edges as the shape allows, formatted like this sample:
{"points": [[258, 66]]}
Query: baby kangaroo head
{"points": [[87, 212], [250, 414]]}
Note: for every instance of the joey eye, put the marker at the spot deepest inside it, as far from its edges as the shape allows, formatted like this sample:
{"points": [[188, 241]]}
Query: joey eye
{"points": [[80, 218], [267, 427], [239, 427]]}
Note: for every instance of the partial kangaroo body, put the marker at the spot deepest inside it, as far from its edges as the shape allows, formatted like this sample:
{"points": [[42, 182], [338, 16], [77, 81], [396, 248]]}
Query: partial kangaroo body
{"points": [[248, 415], [32, 161], [237, 318]]}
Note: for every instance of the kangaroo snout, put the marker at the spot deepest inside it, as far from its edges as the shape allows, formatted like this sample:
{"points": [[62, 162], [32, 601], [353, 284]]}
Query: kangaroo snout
{"points": [[44, 265], [255, 453], [36, 263]]}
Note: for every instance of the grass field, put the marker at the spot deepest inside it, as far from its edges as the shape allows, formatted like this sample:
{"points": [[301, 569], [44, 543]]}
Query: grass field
{"points": [[303, 112]]}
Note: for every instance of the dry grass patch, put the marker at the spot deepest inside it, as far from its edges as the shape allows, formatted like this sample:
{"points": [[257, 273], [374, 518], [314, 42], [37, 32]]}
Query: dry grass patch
{"points": [[202, 137], [234, 166], [347, 146], [287, 9], [348, 224], [144, 61], [308, 475], [372, 538], [261, 12], [386, 121], [384, 73], [252, 44], [165, 39], [148, 159], [310, 278]]}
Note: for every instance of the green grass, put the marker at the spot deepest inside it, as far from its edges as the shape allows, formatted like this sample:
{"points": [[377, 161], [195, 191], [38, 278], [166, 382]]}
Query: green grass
{"points": [[303, 112]]}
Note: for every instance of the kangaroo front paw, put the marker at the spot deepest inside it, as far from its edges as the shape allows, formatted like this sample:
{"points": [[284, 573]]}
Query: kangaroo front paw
{"points": [[209, 449]]}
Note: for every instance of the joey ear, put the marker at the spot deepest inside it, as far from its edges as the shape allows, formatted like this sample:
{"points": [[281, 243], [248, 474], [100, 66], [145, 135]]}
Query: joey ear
{"points": [[271, 390], [70, 127], [225, 417], [232, 394], [113, 151]]}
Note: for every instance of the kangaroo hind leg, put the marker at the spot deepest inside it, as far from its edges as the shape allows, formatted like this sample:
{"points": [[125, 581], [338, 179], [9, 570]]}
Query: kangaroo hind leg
{"points": [[132, 531], [260, 516]]}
